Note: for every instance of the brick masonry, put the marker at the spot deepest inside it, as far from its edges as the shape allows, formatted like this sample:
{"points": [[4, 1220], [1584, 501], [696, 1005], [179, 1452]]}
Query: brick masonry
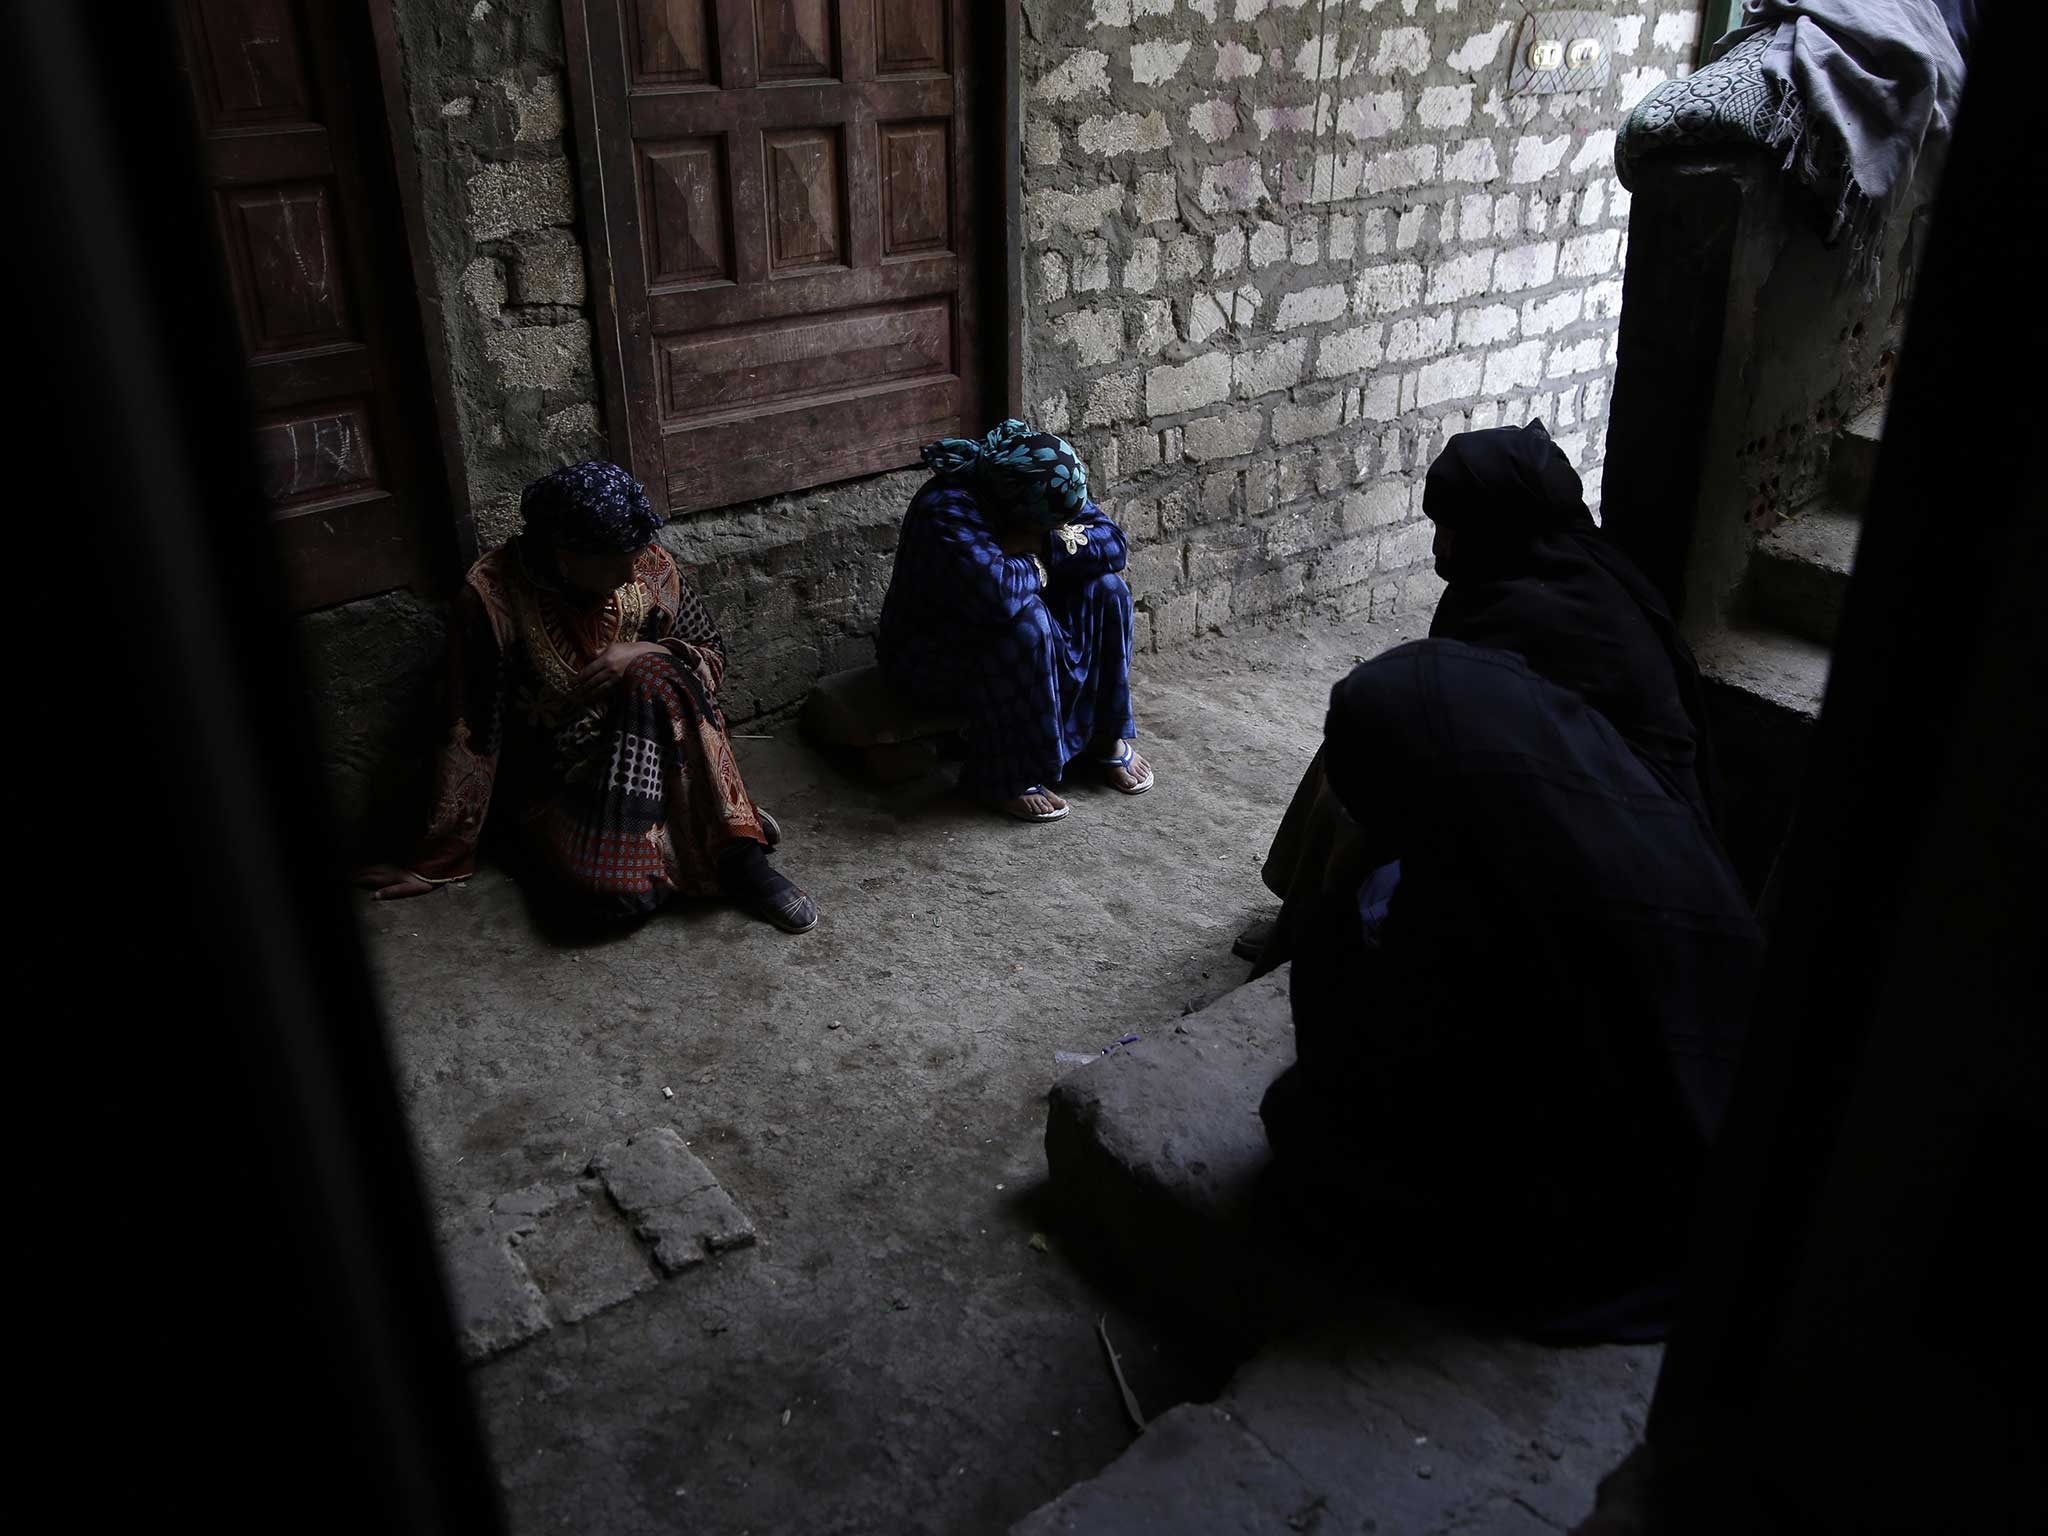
{"points": [[1276, 252], [1365, 245]]}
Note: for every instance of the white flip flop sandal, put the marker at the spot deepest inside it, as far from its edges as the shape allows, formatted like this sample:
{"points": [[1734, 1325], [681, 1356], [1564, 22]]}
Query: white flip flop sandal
{"points": [[1036, 789], [1123, 759]]}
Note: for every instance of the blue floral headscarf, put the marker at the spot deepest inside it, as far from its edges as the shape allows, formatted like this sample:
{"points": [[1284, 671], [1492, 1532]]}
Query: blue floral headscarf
{"points": [[1034, 478], [592, 508]]}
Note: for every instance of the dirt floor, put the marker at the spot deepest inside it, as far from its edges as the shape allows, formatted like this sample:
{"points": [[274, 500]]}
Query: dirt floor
{"points": [[895, 1354]]}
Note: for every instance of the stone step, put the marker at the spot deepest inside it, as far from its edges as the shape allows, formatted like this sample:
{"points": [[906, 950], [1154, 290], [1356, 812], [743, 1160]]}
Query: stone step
{"points": [[1782, 673], [1156, 1150], [856, 716], [1799, 572], [1852, 461], [1390, 1423], [1357, 1411], [1762, 689]]}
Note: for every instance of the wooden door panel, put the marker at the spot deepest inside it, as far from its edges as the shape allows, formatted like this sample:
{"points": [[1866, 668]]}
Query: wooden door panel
{"points": [[295, 153], [792, 251], [796, 40], [686, 212], [680, 114], [248, 64], [282, 250], [806, 194], [917, 187], [682, 311], [812, 443], [743, 368], [328, 374], [674, 42], [282, 152], [308, 456], [912, 37]]}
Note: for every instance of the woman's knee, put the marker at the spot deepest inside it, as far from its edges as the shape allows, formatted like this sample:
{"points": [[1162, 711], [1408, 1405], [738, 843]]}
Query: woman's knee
{"points": [[653, 670], [1028, 633], [1109, 584], [662, 676], [1107, 592]]}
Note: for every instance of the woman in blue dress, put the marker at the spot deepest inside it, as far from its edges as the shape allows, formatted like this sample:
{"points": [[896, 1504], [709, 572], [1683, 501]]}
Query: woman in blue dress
{"points": [[1008, 605]]}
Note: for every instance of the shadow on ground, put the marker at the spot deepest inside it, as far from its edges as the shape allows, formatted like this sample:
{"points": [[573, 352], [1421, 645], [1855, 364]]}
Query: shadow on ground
{"points": [[873, 1096]]}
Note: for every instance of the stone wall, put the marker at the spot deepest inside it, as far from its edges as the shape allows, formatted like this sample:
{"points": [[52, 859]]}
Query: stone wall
{"points": [[1277, 249], [489, 122]]}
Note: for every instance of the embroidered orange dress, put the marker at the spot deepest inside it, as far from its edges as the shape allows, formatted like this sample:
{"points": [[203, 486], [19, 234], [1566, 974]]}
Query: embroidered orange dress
{"points": [[626, 801]]}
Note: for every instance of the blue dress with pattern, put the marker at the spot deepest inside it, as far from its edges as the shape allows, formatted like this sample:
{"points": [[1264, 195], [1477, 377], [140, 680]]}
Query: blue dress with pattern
{"points": [[1041, 674]]}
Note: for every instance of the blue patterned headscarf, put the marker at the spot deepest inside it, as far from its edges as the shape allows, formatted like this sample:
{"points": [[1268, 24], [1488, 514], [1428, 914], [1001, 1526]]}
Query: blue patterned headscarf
{"points": [[592, 508], [1034, 478]]}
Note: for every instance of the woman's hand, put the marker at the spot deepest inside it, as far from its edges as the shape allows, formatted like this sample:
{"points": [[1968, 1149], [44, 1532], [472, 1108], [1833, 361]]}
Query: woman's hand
{"points": [[387, 882], [612, 663]]}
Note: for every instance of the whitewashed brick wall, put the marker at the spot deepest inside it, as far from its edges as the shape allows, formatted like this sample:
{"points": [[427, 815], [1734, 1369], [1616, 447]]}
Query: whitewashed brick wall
{"points": [[1282, 249]]}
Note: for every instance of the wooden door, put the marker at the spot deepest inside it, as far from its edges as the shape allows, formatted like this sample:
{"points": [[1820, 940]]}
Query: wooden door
{"points": [[309, 228], [792, 210]]}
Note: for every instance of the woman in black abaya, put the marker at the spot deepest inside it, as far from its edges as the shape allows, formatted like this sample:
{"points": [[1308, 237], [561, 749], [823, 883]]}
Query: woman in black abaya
{"points": [[1519, 991]]}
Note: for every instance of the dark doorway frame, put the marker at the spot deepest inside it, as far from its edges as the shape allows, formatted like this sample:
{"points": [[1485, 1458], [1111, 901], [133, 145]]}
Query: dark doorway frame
{"points": [[399, 134]]}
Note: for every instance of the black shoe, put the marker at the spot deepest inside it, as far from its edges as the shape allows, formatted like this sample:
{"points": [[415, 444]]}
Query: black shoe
{"points": [[790, 909], [1252, 943], [754, 886], [770, 827]]}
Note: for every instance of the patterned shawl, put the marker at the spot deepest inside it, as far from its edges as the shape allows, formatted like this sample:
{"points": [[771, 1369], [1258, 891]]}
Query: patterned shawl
{"points": [[1850, 91], [589, 508], [1033, 478]]}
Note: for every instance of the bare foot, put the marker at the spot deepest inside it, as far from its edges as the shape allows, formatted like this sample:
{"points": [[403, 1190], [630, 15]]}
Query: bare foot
{"points": [[387, 882], [1039, 803]]}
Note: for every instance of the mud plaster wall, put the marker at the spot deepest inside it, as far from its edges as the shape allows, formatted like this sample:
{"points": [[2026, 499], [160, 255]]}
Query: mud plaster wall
{"points": [[1276, 251]]}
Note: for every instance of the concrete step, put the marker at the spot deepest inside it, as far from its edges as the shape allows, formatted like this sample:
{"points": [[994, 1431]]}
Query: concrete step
{"points": [[1852, 462], [1156, 1150], [1780, 672], [1799, 572], [856, 717], [1763, 691], [1357, 1411], [1391, 1425]]}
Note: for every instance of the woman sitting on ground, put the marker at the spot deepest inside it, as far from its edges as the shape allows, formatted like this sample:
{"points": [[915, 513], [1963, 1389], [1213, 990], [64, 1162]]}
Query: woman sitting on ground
{"points": [[1008, 606], [1527, 572], [1519, 992], [584, 677]]}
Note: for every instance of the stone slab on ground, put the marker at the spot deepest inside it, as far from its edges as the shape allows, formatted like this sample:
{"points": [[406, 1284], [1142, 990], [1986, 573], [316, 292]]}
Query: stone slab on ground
{"points": [[1157, 1149], [1194, 1469], [671, 1199], [565, 1251], [1389, 1423], [497, 1306], [1425, 1426], [583, 1258]]}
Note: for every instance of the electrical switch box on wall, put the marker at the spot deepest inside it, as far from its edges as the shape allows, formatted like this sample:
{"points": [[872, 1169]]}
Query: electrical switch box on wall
{"points": [[1561, 51]]}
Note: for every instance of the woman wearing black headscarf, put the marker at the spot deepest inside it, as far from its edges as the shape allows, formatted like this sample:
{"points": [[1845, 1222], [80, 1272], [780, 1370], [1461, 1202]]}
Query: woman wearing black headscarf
{"points": [[584, 697], [1528, 572], [1518, 995]]}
